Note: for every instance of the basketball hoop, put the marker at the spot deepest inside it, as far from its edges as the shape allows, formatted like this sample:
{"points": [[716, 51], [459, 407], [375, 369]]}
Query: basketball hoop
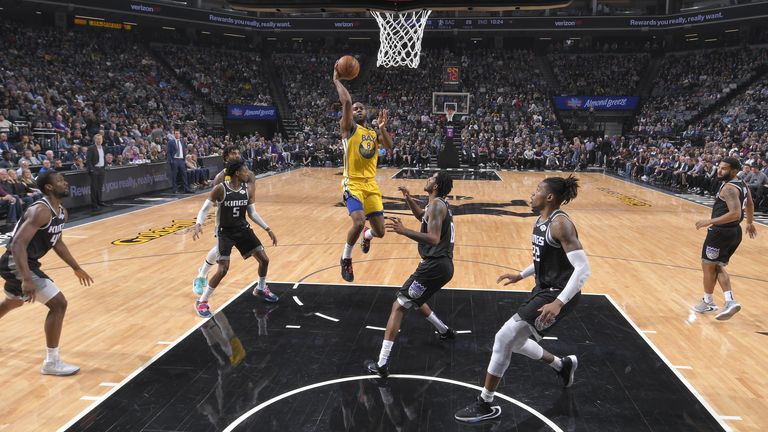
{"points": [[400, 37], [449, 112]]}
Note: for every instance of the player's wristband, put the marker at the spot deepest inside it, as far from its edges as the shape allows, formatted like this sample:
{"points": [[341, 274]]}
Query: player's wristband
{"points": [[528, 271]]}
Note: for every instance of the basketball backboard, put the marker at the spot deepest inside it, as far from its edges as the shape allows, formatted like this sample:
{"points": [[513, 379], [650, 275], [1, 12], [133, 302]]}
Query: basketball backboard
{"points": [[392, 5]]}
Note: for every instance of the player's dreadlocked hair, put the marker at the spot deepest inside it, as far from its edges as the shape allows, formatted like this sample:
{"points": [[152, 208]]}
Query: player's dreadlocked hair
{"points": [[564, 189], [444, 184], [233, 166]]}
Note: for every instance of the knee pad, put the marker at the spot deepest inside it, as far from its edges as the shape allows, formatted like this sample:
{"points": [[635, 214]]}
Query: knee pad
{"points": [[510, 338]]}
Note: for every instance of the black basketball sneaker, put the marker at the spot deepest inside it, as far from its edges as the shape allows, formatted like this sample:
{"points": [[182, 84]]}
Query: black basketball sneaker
{"points": [[479, 411]]}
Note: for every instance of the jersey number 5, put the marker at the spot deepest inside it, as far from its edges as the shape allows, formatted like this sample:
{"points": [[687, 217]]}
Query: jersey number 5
{"points": [[236, 212]]}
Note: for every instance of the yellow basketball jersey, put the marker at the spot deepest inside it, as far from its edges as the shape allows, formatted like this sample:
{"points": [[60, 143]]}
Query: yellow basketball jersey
{"points": [[360, 154]]}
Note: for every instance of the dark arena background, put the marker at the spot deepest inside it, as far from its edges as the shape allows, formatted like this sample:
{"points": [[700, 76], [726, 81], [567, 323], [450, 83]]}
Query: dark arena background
{"points": [[640, 100]]}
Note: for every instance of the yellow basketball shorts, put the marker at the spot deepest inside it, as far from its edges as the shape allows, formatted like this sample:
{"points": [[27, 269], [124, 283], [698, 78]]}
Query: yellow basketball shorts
{"points": [[363, 195]]}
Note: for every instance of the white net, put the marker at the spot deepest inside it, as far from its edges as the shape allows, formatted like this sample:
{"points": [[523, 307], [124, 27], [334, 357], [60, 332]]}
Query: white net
{"points": [[400, 36]]}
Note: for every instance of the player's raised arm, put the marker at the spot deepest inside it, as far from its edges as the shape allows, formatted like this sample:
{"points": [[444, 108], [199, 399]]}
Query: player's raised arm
{"points": [[346, 123], [384, 138]]}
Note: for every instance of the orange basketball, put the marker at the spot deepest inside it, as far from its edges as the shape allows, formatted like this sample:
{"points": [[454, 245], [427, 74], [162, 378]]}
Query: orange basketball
{"points": [[347, 67]]}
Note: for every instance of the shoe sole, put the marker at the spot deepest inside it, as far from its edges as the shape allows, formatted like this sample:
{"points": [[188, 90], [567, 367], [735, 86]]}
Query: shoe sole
{"points": [[59, 374], [575, 363], [495, 412], [724, 316]]}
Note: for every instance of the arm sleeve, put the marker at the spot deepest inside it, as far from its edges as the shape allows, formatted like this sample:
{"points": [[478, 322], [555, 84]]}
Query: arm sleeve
{"points": [[580, 274], [256, 218], [203, 212], [528, 271]]}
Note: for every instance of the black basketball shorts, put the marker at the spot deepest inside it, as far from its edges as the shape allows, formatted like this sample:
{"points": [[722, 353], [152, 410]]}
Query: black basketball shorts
{"points": [[242, 238], [529, 310], [431, 275], [720, 244]]}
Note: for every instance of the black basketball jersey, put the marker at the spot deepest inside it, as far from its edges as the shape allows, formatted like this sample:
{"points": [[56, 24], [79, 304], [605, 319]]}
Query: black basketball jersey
{"points": [[549, 259], [233, 207], [46, 237], [447, 235], [721, 207]]}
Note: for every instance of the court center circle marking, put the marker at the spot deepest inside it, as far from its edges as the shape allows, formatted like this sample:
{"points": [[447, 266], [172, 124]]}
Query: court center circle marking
{"points": [[265, 404]]}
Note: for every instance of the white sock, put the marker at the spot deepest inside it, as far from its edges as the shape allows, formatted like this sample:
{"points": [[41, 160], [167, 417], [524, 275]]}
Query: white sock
{"points": [[386, 347], [486, 395], [348, 251], [728, 295], [708, 298], [368, 234], [262, 282], [52, 354], [557, 363], [204, 269], [439, 325], [206, 293]]}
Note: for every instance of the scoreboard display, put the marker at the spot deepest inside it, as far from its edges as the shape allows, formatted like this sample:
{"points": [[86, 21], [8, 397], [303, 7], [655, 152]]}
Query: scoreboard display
{"points": [[451, 75]]}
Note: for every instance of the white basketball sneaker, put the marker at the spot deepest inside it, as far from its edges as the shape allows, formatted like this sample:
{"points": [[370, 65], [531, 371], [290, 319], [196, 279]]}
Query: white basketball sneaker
{"points": [[58, 368]]}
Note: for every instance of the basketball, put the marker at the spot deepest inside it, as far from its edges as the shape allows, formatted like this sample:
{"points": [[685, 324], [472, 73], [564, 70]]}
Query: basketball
{"points": [[347, 67]]}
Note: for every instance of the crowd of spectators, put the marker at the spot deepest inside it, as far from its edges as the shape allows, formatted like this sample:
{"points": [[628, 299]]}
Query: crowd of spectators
{"points": [[689, 83], [219, 75], [599, 74]]}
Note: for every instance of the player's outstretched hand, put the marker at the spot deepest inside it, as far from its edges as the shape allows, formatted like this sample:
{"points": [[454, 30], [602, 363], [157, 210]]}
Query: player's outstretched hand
{"points": [[751, 230], [381, 122], [395, 225], [404, 190], [511, 278], [273, 237], [196, 231], [84, 277]]}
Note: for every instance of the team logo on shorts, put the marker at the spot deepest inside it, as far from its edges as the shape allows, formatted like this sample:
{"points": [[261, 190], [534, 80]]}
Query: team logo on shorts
{"points": [[712, 252], [416, 290], [542, 325]]}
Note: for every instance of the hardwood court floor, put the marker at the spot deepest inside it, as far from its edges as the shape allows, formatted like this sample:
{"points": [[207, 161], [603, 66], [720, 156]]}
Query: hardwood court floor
{"points": [[643, 247]]}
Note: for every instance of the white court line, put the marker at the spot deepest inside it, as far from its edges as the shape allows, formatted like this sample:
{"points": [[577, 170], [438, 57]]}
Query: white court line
{"points": [[327, 317], [550, 337], [400, 286], [298, 302], [682, 367], [136, 372], [90, 398], [737, 418], [679, 375], [292, 326], [649, 331], [265, 404], [165, 343], [107, 384], [463, 331], [375, 328]]}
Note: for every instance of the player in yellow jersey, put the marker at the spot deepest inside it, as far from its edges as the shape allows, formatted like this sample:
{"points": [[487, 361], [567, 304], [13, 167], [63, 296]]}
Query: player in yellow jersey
{"points": [[361, 192]]}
